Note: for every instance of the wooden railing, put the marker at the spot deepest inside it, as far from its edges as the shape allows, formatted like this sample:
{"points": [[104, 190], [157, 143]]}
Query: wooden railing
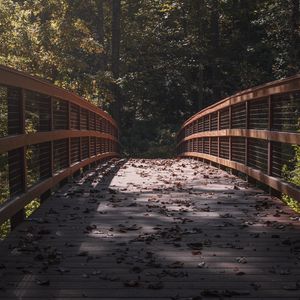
{"points": [[255, 132], [46, 135]]}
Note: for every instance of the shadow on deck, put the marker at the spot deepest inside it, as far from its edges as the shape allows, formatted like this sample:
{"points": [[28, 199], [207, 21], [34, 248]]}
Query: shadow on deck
{"points": [[155, 229]]}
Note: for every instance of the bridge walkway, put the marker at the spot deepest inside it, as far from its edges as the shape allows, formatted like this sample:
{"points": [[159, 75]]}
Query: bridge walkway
{"points": [[154, 229]]}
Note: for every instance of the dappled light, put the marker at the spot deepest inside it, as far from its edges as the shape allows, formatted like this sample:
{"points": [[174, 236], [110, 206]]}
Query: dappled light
{"points": [[165, 229]]}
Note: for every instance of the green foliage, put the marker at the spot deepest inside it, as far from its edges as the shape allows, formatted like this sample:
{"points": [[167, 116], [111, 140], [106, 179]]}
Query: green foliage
{"points": [[292, 175], [3, 113], [31, 207], [177, 56], [154, 141], [4, 190], [4, 229], [33, 173], [55, 40], [292, 203]]}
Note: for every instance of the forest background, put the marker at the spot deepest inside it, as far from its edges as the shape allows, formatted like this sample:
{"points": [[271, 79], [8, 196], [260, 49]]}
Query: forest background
{"points": [[152, 63]]}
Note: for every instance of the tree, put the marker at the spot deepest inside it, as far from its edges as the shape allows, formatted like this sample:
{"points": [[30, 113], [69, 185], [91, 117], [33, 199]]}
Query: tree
{"points": [[115, 57]]}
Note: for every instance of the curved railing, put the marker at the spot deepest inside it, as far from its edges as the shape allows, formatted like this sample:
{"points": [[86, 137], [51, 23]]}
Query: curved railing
{"points": [[254, 132], [46, 135]]}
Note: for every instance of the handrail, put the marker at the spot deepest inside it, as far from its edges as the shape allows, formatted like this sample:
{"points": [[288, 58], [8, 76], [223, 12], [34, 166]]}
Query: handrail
{"points": [[12, 77], [46, 135], [272, 88], [254, 132]]}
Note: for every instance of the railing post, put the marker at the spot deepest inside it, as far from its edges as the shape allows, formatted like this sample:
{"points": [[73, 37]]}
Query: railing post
{"points": [[270, 147], [88, 121], [249, 179], [80, 149], [20, 215], [230, 117], [230, 137], [209, 139], [69, 139], [80, 138], [218, 128], [269, 142], [89, 137], [247, 127], [47, 194], [230, 148]]}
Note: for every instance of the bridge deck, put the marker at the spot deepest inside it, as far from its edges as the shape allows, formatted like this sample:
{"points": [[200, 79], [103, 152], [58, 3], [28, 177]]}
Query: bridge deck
{"points": [[161, 229]]}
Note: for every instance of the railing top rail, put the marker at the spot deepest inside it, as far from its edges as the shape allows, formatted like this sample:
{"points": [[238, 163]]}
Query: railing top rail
{"points": [[272, 88], [13, 77]]}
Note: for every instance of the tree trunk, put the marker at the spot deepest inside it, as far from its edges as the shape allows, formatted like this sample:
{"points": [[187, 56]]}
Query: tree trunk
{"points": [[215, 45], [100, 23], [115, 61], [295, 37], [101, 63], [116, 37], [197, 7]]}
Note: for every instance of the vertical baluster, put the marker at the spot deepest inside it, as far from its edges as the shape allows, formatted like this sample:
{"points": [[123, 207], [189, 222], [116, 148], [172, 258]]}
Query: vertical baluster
{"points": [[270, 147]]}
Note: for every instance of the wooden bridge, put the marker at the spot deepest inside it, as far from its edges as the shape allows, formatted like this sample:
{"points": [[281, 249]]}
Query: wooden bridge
{"points": [[110, 228]]}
